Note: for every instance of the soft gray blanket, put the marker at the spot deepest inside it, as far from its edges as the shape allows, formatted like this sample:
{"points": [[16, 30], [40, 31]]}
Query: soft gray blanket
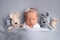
{"points": [[22, 34]]}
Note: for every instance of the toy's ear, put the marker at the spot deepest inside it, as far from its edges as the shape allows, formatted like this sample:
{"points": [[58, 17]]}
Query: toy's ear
{"points": [[11, 15], [47, 14], [42, 15], [56, 19], [17, 14]]}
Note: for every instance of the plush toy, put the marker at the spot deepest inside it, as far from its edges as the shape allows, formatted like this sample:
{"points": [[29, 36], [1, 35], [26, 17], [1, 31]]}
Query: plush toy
{"points": [[7, 21], [53, 22], [15, 21], [44, 20]]}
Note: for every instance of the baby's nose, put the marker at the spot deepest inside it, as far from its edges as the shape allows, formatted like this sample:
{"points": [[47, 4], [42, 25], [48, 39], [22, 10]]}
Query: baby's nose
{"points": [[31, 20]]}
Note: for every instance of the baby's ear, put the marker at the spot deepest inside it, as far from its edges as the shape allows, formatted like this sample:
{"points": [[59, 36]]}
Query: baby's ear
{"points": [[17, 14], [11, 15]]}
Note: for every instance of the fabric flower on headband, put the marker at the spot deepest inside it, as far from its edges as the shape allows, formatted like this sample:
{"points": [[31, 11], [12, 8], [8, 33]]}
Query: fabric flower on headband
{"points": [[30, 9]]}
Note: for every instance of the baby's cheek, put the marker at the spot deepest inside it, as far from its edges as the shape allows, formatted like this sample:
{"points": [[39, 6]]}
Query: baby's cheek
{"points": [[35, 21], [27, 21]]}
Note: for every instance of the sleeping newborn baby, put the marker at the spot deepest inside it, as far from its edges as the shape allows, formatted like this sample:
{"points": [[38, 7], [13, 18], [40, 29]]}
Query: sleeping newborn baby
{"points": [[31, 20], [31, 17]]}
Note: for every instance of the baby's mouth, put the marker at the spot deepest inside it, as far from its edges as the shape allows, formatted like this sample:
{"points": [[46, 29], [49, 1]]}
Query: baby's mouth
{"points": [[31, 25]]}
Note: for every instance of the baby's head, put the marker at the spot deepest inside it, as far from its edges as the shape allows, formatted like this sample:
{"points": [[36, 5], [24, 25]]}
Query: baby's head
{"points": [[31, 17]]}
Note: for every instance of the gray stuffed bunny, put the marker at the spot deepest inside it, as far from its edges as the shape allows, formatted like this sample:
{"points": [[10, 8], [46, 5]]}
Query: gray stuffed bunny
{"points": [[44, 20], [47, 23], [7, 22]]}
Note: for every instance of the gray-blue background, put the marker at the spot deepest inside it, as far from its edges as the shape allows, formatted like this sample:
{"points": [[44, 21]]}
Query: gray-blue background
{"points": [[51, 6]]}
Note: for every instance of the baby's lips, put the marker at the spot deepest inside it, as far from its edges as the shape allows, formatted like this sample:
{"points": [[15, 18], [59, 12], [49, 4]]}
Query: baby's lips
{"points": [[31, 24]]}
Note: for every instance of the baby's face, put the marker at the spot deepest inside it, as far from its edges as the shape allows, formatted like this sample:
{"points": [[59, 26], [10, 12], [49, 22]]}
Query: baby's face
{"points": [[31, 19]]}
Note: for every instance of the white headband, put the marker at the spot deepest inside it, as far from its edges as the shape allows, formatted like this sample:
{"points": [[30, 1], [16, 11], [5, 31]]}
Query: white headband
{"points": [[30, 9], [27, 10]]}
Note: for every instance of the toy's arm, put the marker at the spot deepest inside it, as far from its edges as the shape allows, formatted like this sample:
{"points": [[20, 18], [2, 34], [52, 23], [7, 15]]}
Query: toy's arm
{"points": [[20, 25]]}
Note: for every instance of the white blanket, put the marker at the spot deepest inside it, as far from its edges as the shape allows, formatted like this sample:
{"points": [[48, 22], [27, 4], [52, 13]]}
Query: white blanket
{"points": [[36, 27]]}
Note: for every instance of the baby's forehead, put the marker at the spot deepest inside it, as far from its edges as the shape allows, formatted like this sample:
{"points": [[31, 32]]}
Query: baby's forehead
{"points": [[33, 13]]}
